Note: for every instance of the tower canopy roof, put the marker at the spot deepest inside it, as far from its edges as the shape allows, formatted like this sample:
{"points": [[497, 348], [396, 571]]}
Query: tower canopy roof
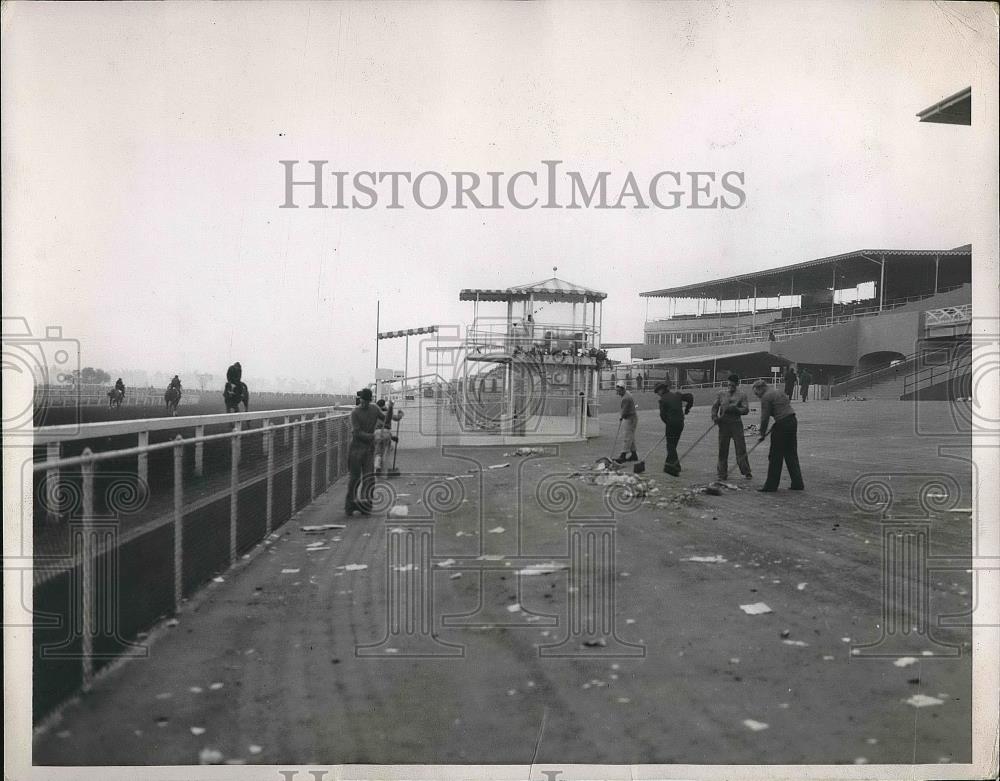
{"points": [[552, 289]]}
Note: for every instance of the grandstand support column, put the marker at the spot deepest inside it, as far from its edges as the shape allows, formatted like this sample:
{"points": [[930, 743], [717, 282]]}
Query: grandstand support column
{"points": [[937, 262], [199, 452], [753, 315], [833, 289], [881, 283], [295, 466], [312, 462]]}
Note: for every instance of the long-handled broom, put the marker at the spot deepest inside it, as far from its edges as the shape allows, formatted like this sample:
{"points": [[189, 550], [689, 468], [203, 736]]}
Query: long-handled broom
{"points": [[640, 466], [606, 460]]}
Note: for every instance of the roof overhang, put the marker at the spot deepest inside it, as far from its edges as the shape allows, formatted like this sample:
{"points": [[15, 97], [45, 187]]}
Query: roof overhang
{"points": [[953, 110], [852, 268], [689, 360]]}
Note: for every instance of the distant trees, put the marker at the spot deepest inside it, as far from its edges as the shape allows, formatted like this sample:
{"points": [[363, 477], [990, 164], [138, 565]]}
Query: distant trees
{"points": [[88, 375]]}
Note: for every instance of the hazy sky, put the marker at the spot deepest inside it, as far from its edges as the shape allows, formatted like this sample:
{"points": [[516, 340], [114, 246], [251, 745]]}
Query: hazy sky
{"points": [[142, 184]]}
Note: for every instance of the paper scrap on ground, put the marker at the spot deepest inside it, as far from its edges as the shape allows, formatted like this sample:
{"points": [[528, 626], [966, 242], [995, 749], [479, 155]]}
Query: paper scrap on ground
{"points": [[707, 559], [513, 608], [446, 563], [218, 580], [351, 567], [490, 557], [456, 576], [497, 530], [324, 527], [756, 609], [922, 701], [801, 587], [905, 661], [499, 466], [756, 726], [208, 756], [311, 548], [289, 571], [797, 643], [197, 730], [254, 749], [399, 511]]}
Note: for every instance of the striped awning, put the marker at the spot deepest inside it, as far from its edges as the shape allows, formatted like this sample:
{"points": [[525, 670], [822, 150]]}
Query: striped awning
{"points": [[430, 329]]}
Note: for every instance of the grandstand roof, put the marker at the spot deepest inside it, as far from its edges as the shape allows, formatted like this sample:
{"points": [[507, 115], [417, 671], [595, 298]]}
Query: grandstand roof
{"points": [[953, 110], [552, 289], [852, 268]]}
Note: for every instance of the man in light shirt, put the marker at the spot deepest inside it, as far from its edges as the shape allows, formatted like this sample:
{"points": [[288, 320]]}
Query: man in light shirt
{"points": [[784, 436], [629, 421]]}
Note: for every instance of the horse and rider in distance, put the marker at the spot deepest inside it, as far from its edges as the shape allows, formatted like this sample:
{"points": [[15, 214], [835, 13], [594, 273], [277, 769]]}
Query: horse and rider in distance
{"points": [[236, 390], [117, 394], [172, 397]]}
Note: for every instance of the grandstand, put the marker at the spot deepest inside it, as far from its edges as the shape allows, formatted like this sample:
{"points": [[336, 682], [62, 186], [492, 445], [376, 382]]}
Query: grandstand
{"points": [[846, 318]]}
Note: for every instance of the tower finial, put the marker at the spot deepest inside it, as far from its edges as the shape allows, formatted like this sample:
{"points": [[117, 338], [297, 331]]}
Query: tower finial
{"points": [[555, 269]]}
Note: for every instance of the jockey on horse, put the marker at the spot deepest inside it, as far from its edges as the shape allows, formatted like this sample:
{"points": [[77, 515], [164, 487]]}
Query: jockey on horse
{"points": [[235, 390], [173, 395], [117, 394]]}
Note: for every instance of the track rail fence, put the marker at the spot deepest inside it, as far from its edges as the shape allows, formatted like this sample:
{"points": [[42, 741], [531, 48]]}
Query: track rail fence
{"points": [[123, 536]]}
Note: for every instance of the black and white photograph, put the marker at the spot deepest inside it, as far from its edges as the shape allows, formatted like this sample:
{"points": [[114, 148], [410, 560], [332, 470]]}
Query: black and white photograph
{"points": [[529, 391]]}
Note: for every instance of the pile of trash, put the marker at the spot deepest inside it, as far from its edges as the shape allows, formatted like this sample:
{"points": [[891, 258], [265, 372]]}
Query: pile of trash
{"points": [[525, 451], [689, 496], [753, 428]]}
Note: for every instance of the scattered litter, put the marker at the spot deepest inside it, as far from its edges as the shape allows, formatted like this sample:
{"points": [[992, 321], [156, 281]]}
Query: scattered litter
{"points": [[173, 622], [755, 726], [905, 661], [208, 756], [854, 398], [405, 568], [324, 527], [197, 730], [318, 547], [514, 608], [446, 563], [734, 660], [399, 511], [624, 700], [499, 466], [162, 721], [922, 701], [801, 587], [456, 576], [490, 557], [254, 749], [497, 530], [290, 571], [218, 580], [784, 705], [707, 559], [543, 569], [216, 686], [463, 534], [845, 639], [351, 567], [756, 609], [164, 695], [392, 650], [797, 643], [629, 620], [827, 658], [511, 692], [927, 653], [195, 689], [786, 632], [598, 642]]}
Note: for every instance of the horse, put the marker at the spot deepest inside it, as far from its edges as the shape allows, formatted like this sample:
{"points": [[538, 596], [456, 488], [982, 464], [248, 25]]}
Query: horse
{"points": [[172, 398], [233, 394], [115, 397]]}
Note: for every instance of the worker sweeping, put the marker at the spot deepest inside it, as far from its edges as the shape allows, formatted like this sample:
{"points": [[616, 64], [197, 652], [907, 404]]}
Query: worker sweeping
{"points": [[784, 436], [673, 407], [727, 413], [630, 421]]}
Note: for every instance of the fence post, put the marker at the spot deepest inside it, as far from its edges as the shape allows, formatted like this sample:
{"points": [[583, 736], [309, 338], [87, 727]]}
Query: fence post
{"points": [[326, 449], [295, 464], [312, 461], [199, 452], [178, 522], [87, 565], [287, 431], [234, 492], [143, 468], [237, 442], [269, 448], [52, 451]]}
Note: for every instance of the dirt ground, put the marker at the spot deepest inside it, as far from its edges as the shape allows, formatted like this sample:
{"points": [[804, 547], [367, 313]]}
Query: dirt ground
{"points": [[269, 666]]}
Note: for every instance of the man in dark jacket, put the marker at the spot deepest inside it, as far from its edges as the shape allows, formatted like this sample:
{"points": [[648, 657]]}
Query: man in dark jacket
{"points": [[673, 407], [790, 380], [805, 380], [361, 455], [784, 436]]}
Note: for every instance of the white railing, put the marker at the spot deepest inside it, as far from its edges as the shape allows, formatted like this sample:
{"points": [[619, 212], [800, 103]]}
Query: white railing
{"points": [[97, 536], [948, 315]]}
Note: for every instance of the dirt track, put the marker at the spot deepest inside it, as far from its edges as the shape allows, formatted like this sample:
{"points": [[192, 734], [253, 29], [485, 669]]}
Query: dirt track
{"points": [[283, 644]]}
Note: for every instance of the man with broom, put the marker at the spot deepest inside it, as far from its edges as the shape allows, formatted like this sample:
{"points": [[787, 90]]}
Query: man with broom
{"points": [[673, 407], [727, 413]]}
